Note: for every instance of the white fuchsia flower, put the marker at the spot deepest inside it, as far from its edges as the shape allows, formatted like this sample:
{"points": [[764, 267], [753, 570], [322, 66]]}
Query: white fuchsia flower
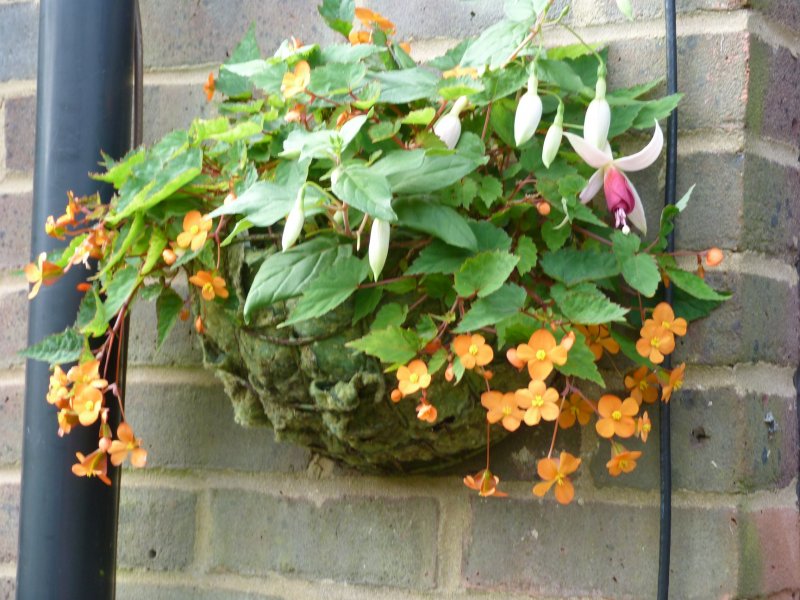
{"points": [[294, 222], [378, 246], [621, 197], [448, 128], [598, 114], [529, 113], [552, 140]]}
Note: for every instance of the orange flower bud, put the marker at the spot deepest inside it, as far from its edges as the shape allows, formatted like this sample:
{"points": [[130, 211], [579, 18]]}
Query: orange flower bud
{"points": [[83, 286], [515, 360], [396, 395], [714, 256], [487, 375], [184, 314], [432, 347], [543, 207], [568, 340], [104, 444], [199, 327], [169, 256], [449, 375]]}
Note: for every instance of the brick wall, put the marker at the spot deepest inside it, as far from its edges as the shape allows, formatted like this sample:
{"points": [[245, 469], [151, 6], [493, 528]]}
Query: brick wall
{"points": [[228, 513]]}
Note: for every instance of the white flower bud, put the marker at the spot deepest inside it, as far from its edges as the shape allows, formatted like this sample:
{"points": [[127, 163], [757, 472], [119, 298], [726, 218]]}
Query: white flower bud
{"points": [[552, 140], [598, 117], [529, 113], [378, 246], [294, 222], [448, 128], [626, 8]]}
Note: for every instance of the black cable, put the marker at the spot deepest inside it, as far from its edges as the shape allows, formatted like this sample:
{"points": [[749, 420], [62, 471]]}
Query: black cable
{"points": [[665, 457]]}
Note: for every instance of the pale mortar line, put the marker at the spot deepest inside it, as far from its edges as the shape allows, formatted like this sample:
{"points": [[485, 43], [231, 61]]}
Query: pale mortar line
{"points": [[193, 75], [173, 375], [10, 476], [8, 570], [765, 499], [14, 184], [202, 532], [710, 141], [12, 376], [748, 263], [758, 378], [3, 169], [773, 34], [17, 88], [454, 523], [778, 152], [12, 283]]}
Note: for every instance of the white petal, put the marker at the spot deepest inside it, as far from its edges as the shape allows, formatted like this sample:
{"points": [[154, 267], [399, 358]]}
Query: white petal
{"points": [[646, 156], [594, 185], [593, 157], [378, 246], [448, 129], [552, 141], [527, 117], [636, 216], [597, 122]]}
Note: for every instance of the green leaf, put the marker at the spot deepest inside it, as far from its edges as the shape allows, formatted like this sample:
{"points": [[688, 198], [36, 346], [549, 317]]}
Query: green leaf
{"points": [[527, 252], [694, 285], [57, 349], [490, 237], [231, 84], [302, 144], [338, 14], [422, 116], [241, 131], [491, 189], [521, 10], [384, 130], [158, 241], [691, 308], [586, 305], [502, 121], [437, 220], [505, 302], [625, 245], [329, 290], [392, 345], [391, 314], [335, 79], [454, 88], [561, 74], [655, 110], [439, 257], [642, 274], [286, 274], [120, 288], [240, 227], [668, 216], [572, 266], [580, 362], [516, 329], [346, 53], [554, 236], [365, 301], [406, 85], [495, 44], [501, 83], [92, 319], [168, 308], [117, 173], [365, 189], [484, 273]]}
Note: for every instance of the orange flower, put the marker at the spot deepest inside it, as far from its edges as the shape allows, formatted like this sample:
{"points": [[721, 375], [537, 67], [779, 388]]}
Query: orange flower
{"points": [[643, 426], [655, 343], [675, 382], [623, 462], [295, 82], [460, 71], [485, 483], [370, 17], [406, 47], [540, 401], [556, 471], [67, 419], [575, 408], [617, 416], [472, 351], [413, 377], [87, 373], [87, 403], [169, 256], [195, 230], [664, 317], [396, 395], [643, 385], [511, 355], [210, 285], [359, 37], [127, 444], [296, 113], [43, 272], [94, 465], [58, 391], [426, 412], [503, 407], [209, 86], [598, 338], [541, 353]]}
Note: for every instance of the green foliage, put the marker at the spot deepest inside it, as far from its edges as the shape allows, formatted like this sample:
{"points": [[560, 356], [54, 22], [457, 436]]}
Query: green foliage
{"points": [[57, 349]]}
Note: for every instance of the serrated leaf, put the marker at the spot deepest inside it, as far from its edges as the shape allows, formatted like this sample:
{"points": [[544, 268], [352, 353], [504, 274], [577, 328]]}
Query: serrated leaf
{"points": [[168, 308], [641, 273], [484, 273], [158, 241], [365, 301], [366, 190], [625, 245], [516, 329], [527, 253], [406, 85], [437, 220], [329, 290], [487, 311], [495, 45], [57, 349], [694, 285], [655, 110], [422, 116], [392, 314], [586, 305], [571, 266], [120, 288], [554, 237], [92, 319], [392, 345], [338, 14], [384, 130], [580, 362], [334, 79], [439, 257]]}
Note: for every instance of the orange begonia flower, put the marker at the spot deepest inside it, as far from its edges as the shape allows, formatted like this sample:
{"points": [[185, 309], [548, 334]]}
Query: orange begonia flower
{"points": [[511, 355], [127, 444], [209, 86], [359, 37], [575, 408], [539, 401], [413, 377], [675, 382], [472, 351], [460, 71], [503, 407], [616, 416], [195, 230], [43, 272], [210, 285], [406, 47], [67, 419], [598, 339], [370, 17], [58, 391], [296, 113], [623, 462], [426, 412], [94, 465], [541, 353], [295, 82], [485, 483], [87, 403], [664, 317], [655, 343], [643, 385], [643, 426], [555, 471], [87, 373]]}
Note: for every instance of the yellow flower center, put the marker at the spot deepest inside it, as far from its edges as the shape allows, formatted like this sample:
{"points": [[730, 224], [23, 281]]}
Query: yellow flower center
{"points": [[194, 229], [473, 349], [541, 355], [616, 415], [575, 410], [537, 401], [208, 289], [666, 324], [89, 405], [655, 342], [677, 385], [643, 385], [559, 479], [623, 464], [647, 427], [413, 378], [506, 410]]}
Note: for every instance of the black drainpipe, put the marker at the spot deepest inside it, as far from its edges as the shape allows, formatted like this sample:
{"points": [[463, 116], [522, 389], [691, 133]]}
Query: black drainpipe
{"points": [[68, 525]]}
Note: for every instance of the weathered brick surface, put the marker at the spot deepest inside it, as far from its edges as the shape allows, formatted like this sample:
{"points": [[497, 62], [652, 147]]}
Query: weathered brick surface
{"points": [[180, 347], [419, 19], [19, 30], [20, 132], [204, 31], [9, 522], [12, 397], [359, 540], [168, 107], [13, 327], [189, 424], [773, 107], [591, 12], [722, 441], [15, 241], [597, 549], [7, 588], [770, 551], [785, 13], [140, 591], [156, 528]]}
